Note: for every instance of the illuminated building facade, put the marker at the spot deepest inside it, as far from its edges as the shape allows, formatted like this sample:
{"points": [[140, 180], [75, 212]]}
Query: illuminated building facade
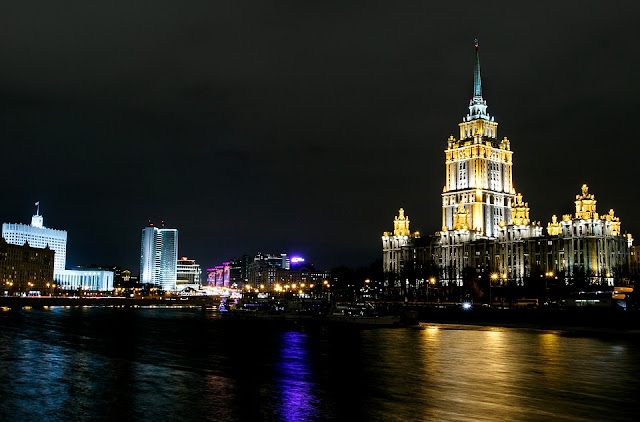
{"points": [[263, 268], [90, 279], [479, 179], [188, 274], [306, 276], [265, 272], [394, 244], [38, 236], [486, 226], [24, 268], [158, 257]]}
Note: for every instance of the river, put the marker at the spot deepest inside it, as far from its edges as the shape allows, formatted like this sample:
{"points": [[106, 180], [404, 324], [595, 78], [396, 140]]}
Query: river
{"points": [[188, 364]]}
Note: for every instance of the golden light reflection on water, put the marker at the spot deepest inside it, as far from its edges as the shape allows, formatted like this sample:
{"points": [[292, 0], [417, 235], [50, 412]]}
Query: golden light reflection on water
{"points": [[491, 373], [549, 349], [432, 372]]}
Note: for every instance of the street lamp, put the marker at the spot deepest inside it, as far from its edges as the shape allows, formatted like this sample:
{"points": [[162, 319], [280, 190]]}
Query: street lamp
{"points": [[494, 277], [432, 282], [548, 275]]}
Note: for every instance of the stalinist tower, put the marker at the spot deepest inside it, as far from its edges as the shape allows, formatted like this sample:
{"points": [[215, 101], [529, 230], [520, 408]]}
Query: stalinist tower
{"points": [[487, 229], [479, 183]]}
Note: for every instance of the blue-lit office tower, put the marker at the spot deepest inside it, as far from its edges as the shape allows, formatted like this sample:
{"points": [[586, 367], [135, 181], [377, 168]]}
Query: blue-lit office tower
{"points": [[38, 236], [159, 257]]}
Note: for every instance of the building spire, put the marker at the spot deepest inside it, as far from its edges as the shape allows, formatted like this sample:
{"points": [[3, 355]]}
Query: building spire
{"points": [[477, 82], [477, 105]]}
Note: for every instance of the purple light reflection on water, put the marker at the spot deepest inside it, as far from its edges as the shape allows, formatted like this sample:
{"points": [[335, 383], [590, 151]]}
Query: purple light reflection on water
{"points": [[294, 380]]}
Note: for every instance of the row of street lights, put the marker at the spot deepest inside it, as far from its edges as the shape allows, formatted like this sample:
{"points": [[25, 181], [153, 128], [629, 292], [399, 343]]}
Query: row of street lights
{"points": [[50, 286], [278, 288]]}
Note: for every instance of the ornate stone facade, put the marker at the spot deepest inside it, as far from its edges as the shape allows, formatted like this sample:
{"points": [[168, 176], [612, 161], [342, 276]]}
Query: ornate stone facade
{"points": [[486, 227]]}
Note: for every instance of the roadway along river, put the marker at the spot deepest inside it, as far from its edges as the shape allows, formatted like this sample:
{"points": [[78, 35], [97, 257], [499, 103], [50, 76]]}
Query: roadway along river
{"points": [[190, 364]]}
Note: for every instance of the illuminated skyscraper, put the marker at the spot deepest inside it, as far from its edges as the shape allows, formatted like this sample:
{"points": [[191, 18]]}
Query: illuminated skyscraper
{"points": [[479, 180], [38, 236], [158, 257], [486, 227]]}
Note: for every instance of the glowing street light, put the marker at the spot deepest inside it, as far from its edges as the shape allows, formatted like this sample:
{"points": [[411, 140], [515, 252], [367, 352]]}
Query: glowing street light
{"points": [[494, 277]]}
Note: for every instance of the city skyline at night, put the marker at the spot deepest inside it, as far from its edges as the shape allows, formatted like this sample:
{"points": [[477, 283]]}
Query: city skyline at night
{"points": [[286, 137], [319, 211]]}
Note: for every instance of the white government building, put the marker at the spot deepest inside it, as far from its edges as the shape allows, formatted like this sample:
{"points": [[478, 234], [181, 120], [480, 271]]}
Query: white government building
{"points": [[37, 235]]}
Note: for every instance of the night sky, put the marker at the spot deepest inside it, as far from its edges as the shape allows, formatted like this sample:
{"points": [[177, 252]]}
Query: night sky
{"points": [[301, 126]]}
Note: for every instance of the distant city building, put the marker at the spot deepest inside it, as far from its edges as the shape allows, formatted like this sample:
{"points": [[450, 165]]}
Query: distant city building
{"points": [[38, 236], [86, 279], [123, 278], [273, 260], [307, 275], [265, 272], [24, 268], [262, 268], [239, 271], [188, 274], [486, 226], [158, 257]]}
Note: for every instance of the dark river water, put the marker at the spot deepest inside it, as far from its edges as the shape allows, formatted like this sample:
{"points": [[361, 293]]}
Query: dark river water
{"points": [[188, 364]]}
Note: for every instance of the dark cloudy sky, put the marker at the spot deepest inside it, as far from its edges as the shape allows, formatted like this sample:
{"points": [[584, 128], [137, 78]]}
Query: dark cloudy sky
{"points": [[301, 126]]}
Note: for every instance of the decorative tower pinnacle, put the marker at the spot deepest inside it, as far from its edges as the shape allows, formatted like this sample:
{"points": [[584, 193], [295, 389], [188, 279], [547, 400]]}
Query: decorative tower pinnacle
{"points": [[401, 224], [477, 82], [586, 205], [477, 106], [520, 212]]}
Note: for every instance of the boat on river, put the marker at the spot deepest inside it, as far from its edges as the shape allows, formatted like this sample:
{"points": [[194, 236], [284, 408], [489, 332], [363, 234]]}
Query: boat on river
{"points": [[347, 314], [361, 314]]}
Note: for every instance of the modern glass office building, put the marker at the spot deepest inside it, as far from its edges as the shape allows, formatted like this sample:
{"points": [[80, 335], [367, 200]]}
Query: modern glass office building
{"points": [[158, 257]]}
